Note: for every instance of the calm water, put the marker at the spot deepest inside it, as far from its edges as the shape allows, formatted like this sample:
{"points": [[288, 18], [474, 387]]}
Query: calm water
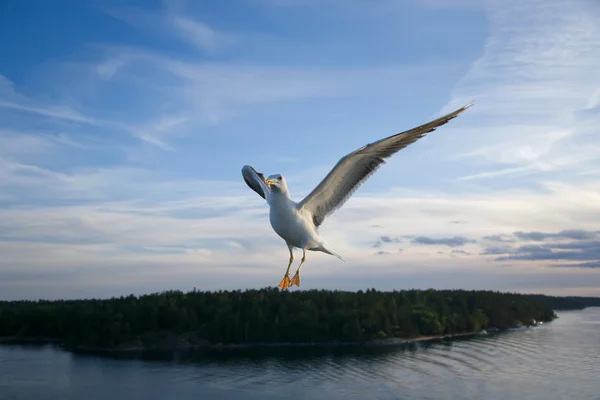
{"points": [[560, 360]]}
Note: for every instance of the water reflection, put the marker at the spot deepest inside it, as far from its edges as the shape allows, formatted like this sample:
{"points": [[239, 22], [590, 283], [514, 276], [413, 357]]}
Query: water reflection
{"points": [[557, 360]]}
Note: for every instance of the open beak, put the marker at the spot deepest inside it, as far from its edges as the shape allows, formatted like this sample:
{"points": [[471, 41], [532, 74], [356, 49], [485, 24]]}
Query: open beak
{"points": [[271, 181]]}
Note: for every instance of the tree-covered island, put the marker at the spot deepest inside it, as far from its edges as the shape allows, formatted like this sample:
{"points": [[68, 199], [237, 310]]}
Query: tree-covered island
{"points": [[174, 319]]}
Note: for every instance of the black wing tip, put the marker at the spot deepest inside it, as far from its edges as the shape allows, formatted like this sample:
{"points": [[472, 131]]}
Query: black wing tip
{"points": [[447, 118], [247, 169], [431, 126], [455, 113]]}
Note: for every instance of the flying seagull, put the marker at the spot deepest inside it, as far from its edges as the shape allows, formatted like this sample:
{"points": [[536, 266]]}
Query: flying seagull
{"points": [[298, 223]]}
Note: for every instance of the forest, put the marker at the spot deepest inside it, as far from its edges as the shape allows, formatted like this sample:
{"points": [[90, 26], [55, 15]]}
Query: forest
{"points": [[195, 318]]}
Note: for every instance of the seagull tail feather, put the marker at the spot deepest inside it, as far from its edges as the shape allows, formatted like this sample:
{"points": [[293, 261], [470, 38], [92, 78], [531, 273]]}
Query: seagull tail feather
{"points": [[326, 250]]}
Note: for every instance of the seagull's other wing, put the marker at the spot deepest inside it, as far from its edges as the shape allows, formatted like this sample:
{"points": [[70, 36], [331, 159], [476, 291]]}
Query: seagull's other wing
{"points": [[256, 181], [355, 168]]}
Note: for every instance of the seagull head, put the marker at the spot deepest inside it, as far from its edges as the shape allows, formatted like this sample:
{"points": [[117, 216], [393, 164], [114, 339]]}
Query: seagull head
{"points": [[277, 183]]}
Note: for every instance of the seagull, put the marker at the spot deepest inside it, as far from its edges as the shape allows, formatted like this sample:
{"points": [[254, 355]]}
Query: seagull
{"points": [[297, 223]]}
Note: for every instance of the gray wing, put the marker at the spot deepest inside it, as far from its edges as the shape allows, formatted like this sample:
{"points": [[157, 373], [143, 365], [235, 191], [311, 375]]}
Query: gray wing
{"points": [[355, 168], [256, 181]]}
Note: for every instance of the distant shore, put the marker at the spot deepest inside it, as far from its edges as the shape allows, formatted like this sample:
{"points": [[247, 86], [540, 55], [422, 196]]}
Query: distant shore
{"points": [[268, 318]]}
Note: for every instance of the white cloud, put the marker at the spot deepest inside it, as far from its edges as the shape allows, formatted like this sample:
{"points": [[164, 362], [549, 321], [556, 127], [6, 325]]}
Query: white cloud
{"points": [[204, 93], [147, 228], [197, 33], [173, 20], [11, 100], [538, 71]]}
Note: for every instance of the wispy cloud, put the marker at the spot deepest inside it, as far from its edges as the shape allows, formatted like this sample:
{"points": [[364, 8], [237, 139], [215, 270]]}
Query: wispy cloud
{"points": [[387, 239], [496, 250], [536, 75], [197, 33], [576, 234], [11, 100], [450, 241], [200, 94], [119, 163], [499, 238], [461, 252], [176, 19], [590, 264], [382, 253], [53, 112], [580, 247]]}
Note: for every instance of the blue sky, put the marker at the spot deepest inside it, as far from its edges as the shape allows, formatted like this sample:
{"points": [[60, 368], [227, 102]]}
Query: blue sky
{"points": [[124, 126]]}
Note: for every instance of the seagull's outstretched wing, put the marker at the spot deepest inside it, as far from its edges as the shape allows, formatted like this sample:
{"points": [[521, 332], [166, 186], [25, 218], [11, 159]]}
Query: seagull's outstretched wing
{"points": [[256, 181], [355, 168]]}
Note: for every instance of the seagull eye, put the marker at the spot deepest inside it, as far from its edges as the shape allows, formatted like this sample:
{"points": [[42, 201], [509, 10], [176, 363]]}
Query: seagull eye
{"points": [[279, 178]]}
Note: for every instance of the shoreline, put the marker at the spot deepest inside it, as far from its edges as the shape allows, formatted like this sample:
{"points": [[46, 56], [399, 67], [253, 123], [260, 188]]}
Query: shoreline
{"points": [[139, 348]]}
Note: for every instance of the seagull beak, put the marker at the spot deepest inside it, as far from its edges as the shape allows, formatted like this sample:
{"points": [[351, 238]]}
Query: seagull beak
{"points": [[271, 181]]}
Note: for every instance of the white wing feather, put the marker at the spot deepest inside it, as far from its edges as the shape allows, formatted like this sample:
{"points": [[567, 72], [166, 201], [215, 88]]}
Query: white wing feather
{"points": [[355, 168]]}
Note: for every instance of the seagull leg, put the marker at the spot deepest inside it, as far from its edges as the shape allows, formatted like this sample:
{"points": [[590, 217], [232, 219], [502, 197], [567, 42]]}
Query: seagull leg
{"points": [[285, 282], [296, 278]]}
